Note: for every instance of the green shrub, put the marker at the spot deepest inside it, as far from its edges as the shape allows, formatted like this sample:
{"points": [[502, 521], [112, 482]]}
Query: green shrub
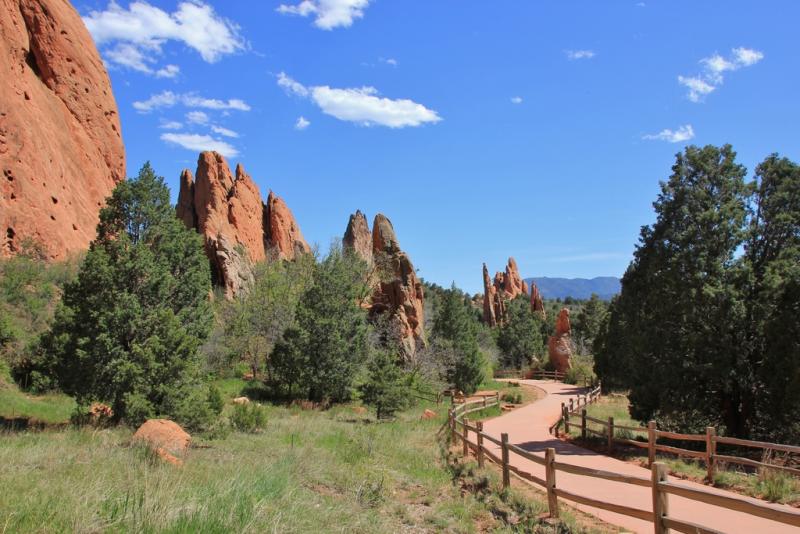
{"points": [[512, 398], [775, 486], [579, 373], [248, 417]]}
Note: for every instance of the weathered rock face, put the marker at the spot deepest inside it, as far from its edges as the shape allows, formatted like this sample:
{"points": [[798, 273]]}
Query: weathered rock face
{"points": [[560, 345], [489, 297], [238, 228], [166, 438], [282, 235], [398, 292], [506, 286], [357, 237], [61, 151], [537, 304]]}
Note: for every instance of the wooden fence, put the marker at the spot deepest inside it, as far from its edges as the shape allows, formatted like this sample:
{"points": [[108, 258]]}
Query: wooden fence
{"points": [[535, 374], [710, 440], [659, 482]]}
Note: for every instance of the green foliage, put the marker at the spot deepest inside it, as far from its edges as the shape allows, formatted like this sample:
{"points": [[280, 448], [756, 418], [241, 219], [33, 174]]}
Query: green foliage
{"points": [[520, 338], [319, 357], [512, 398], [588, 323], [581, 372], [251, 417], [702, 332], [129, 326], [454, 332], [251, 324], [384, 388]]}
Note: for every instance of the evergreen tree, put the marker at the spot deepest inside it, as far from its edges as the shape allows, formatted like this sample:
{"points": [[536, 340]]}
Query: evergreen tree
{"points": [[589, 320], [128, 329], [454, 331], [384, 388], [679, 309], [520, 338], [321, 354]]}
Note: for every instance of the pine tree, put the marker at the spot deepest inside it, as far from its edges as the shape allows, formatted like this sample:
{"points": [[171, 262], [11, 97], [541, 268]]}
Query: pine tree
{"points": [[520, 338], [128, 329], [384, 388], [454, 330]]}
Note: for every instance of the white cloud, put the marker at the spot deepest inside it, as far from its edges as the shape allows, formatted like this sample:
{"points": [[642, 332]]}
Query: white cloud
{"points": [[683, 133], [714, 68], [197, 117], [170, 125], [328, 14], [389, 61], [362, 105], [579, 54], [199, 143], [291, 86], [145, 28], [516, 100], [168, 71], [698, 88], [224, 131], [747, 56], [302, 123], [168, 99]]}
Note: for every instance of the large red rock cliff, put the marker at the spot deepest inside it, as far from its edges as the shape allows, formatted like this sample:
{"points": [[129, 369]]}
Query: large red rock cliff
{"points": [[239, 229], [397, 291], [61, 151]]}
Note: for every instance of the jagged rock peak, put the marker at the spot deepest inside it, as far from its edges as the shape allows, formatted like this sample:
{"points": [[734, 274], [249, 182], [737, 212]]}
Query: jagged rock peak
{"points": [[239, 229], [283, 235], [357, 236], [537, 303], [61, 151]]}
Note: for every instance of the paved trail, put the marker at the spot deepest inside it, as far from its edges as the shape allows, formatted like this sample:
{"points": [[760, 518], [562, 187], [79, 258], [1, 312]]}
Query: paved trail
{"points": [[527, 427]]}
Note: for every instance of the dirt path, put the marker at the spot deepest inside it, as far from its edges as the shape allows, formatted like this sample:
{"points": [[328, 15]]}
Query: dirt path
{"points": [[527, 427]]}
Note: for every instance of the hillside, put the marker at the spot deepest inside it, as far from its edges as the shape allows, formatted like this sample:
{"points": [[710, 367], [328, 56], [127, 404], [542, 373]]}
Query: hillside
{"points": [[579, 288]]}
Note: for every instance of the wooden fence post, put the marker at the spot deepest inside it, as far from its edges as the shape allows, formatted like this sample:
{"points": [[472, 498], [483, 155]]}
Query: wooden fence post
{"points": [[610, 434], [711, 450], [571, 406], [660, 498], [566, 418], [466, 437], [452, 425], [550, 479], [583, 423], [479, 424], [651, 443], [504, 447], [497, 398]]}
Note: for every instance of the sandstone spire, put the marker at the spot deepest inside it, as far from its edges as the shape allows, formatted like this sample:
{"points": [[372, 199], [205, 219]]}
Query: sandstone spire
{"points": [[238, 228], [61, 152], [357, 237], [537, 304], [560, 345]]}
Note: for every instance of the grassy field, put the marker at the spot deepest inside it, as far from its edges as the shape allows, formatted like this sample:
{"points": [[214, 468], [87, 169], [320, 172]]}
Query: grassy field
{"points": [[308, 471], [769, 485]]}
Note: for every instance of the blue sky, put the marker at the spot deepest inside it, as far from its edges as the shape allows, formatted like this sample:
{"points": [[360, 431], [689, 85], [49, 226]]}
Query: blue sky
{"points": [[483, 130]]}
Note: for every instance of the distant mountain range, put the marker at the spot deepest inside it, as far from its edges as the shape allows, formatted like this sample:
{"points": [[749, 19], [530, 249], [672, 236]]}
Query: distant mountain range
{"points": [[577, 288]]}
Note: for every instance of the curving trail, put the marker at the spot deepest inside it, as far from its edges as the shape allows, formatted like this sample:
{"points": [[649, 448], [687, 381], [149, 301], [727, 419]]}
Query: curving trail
{"points": [[527, 427]]}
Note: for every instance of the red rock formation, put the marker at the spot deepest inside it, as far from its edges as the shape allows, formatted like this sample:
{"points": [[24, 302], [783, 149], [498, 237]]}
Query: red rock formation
{"points": [[507, 286], [560, 345], [61, 151], [401, 295], [489, 297], [398, 292], [537, 304], [282, 233], [357, 237], [238, 229], [164, 437]]}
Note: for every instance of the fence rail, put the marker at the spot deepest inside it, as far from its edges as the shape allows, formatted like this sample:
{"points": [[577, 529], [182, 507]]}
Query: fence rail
{"points": [[659, 482], [576, 410]]}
